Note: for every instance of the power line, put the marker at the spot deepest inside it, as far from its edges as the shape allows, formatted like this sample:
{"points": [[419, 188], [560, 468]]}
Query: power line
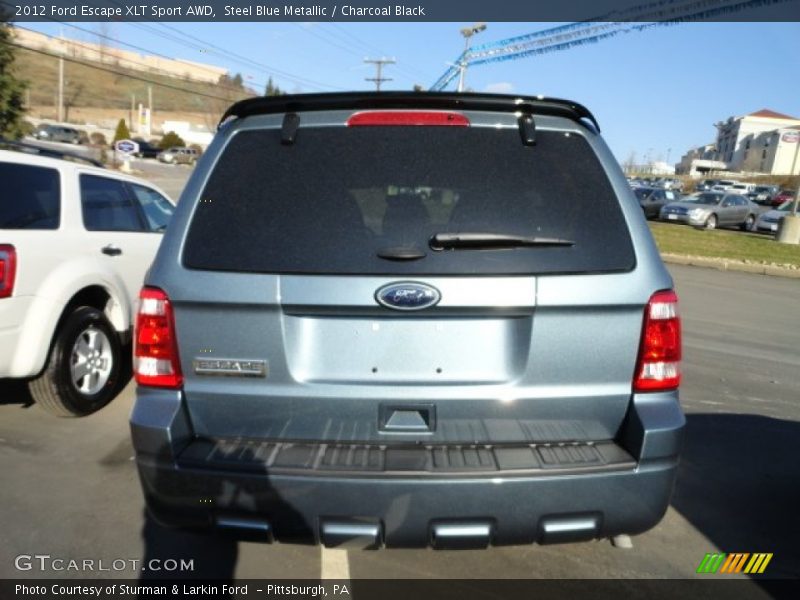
{"points": [[221, 52], [637, 18], [121, 74], [411, 73], [336, 39], [100, 52], [100, 35], [242, 60], [327, 40]]}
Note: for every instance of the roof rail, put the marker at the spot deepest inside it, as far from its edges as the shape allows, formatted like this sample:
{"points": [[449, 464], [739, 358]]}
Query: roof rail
{"points": [[47, 152], [410, 100]]}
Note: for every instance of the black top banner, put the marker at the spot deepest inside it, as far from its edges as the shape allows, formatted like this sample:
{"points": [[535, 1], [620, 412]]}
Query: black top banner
{"points": [[678, 11]]}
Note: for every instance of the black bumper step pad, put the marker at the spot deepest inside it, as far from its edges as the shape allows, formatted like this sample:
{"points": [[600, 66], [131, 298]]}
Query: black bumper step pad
{"points": [[365, 459]]}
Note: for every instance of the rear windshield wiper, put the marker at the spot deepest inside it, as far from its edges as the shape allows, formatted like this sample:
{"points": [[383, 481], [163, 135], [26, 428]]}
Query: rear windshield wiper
{"points": [[491, 241]]}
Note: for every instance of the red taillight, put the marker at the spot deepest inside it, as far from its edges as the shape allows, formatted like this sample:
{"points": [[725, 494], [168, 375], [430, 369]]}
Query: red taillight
{"points": [[155, 356], [658, 368], [8, 269], [407, 117]]}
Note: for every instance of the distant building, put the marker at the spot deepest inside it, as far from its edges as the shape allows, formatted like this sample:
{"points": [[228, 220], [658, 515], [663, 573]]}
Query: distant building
{"points": [[764, 141], [736, 135], [190, 133], [699, 161], [775, 152]]}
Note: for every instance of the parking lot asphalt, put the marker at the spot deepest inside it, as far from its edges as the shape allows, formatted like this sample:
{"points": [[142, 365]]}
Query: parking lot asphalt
{"points": [[69, 486]]}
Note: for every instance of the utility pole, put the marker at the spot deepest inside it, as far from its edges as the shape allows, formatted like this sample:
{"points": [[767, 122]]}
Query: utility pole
{"points": [[60, 111], [379, 62], [130, 112], [149, 120], [467, 32]]}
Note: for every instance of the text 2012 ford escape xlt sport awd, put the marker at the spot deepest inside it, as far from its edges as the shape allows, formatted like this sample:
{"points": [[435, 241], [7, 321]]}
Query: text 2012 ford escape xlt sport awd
{"points": [[408, 320]]}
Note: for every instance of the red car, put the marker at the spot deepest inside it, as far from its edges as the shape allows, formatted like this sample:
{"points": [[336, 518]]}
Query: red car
{"points": [[782, 197]]}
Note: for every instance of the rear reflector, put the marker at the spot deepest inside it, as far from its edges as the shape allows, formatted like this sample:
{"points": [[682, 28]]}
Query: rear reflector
{"points": [[658, 367], [155, 356], [407, 117], [8, 269]]}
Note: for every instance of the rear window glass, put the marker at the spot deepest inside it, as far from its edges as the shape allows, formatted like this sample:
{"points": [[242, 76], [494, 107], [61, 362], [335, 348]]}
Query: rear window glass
{"points": [[338, 197], [30, 197]]}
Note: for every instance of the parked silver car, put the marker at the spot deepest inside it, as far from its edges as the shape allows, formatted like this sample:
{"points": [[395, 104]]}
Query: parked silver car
{"points": [[179, 155], [372, 323], [57, 133], [710, 210], [769, 221]]}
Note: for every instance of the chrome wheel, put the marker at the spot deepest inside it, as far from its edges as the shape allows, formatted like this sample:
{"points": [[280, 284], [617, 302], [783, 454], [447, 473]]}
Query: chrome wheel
{"points": [[91, 361], [711, 222]]}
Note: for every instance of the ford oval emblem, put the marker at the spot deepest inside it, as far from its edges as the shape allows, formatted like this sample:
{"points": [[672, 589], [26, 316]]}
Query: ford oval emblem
{"points": [[407, 295]]}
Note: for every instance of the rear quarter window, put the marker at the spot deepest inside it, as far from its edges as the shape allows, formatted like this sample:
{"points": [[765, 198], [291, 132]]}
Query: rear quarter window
{"points": [[337, 197], [107, 206], [30, 197]]}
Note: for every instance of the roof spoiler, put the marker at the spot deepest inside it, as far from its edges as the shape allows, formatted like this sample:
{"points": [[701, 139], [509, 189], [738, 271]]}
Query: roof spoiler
{"points": [[532, 105]]}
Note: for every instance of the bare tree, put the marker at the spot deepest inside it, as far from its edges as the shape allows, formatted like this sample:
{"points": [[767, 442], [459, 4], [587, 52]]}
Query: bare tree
{"points": [[103, 35], [72, 93], [630, 163]]}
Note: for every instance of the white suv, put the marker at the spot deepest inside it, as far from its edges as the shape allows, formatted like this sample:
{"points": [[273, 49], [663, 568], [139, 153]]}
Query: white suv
{"points": [[75, 242]]}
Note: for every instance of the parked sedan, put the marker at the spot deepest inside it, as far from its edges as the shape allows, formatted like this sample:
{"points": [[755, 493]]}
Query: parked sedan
{"points": [[710, 210], [706, 185], [652, 200], [146, 149], [763, 194], [768, 222], [57, 133], [782, 197]]}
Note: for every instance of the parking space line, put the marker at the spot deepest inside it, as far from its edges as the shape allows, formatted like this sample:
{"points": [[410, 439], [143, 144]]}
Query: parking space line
{"points": [[334, 564]]}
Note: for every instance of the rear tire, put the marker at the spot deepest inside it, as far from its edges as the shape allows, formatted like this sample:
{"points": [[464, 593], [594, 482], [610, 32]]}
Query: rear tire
{"points": [[748, 224], [83, 370], [711, 222]]}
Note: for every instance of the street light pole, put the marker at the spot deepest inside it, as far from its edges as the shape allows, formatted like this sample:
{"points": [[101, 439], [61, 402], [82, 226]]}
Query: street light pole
{"points": [[467, 32], [792, 172]]}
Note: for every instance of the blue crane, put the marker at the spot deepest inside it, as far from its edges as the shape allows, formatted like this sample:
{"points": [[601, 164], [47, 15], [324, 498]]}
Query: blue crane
{"points": [[638, 18]]}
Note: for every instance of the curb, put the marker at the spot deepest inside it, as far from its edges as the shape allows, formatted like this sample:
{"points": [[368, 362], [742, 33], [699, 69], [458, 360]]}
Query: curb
{"points": [[724, 264]]}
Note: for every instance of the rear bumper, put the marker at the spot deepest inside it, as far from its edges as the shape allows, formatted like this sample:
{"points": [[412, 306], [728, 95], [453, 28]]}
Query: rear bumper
{"points": [[762, 227], [13, 312], [396, 509]]}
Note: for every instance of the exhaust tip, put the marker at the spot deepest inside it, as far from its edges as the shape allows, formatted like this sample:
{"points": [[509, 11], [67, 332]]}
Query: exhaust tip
{"points": [[569, 528], [247, 528], [467, 535]]}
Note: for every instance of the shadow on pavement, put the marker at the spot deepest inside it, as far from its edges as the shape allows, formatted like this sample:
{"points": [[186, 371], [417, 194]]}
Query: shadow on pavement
{"points": [[739, 485], [215, 554], [15, 391], [213, 557]]}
